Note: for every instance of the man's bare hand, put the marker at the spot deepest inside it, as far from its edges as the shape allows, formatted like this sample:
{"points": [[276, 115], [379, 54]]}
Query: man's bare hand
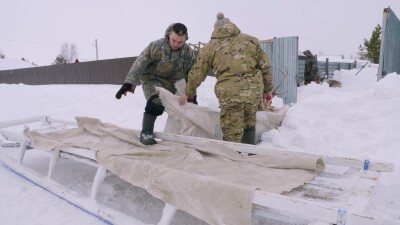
{"points": [[182, 99]]}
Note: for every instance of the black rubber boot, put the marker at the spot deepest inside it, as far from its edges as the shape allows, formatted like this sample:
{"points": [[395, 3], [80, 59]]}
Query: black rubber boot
{"points": [[146, 136], [249, 136]]}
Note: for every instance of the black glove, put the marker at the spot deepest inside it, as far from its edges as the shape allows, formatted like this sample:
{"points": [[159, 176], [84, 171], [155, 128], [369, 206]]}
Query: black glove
{"points": [[125, 88], [192, 99]]}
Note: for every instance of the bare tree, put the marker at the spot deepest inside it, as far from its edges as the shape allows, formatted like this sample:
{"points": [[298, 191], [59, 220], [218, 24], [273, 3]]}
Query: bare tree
{"points": [[68, 54]]}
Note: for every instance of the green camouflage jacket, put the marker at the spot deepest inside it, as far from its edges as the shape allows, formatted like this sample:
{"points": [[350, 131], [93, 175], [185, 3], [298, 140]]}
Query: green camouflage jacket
{"points": [[160, 63], [311, 67], [231, 55]]}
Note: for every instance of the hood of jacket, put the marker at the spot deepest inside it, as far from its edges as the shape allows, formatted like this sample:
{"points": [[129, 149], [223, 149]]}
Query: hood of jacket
{"points": [[224, 31]]}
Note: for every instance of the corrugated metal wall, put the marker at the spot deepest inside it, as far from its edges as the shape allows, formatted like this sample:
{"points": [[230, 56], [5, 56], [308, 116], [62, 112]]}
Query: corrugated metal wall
{"points": [[111, 71], [389, 59], [324, 67], [267, 47], [283, 54], [284, 62]]}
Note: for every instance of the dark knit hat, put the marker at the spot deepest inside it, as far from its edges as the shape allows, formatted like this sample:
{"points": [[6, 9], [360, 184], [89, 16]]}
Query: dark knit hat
{"points": [[221, 20], [307, 53]]}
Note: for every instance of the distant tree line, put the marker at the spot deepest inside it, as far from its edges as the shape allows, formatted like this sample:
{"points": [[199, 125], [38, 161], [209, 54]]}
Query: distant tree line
{"points": [[371, 49]]}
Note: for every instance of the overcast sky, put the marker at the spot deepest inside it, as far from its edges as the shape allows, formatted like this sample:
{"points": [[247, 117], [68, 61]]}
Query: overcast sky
{"points": [[36, 29]]}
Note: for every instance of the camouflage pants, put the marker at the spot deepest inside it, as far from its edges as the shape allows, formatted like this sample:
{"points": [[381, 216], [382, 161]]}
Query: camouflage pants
{"points": [[235, 117], [238, 108]]}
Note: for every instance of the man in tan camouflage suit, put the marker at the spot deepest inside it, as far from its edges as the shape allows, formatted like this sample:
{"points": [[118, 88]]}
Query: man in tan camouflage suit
{"points": [[163, 63], [243, 78]]}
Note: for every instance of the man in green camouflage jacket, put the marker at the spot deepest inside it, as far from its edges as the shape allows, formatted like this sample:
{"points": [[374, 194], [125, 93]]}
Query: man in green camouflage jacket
{"points": [[163, 63], [311, 68], [243, 78]]}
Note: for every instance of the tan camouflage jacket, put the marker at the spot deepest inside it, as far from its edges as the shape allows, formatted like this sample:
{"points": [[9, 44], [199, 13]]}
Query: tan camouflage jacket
{"points": [[230, 54], [159, 62]]}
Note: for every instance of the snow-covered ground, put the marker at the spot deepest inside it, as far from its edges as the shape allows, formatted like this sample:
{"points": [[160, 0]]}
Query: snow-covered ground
{"points": [[359, 120]]}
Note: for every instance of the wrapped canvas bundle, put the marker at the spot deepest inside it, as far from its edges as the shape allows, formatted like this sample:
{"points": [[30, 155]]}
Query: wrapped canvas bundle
{"points": [[194, 120]]}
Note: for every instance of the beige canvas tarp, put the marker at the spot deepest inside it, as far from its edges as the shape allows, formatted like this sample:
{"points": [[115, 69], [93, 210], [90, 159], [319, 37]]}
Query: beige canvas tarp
{"points": [[194, 120], [211, 182]]}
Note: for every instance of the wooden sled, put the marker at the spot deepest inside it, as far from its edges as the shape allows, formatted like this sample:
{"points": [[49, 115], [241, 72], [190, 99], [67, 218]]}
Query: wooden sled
{"points": [[338, 195]]}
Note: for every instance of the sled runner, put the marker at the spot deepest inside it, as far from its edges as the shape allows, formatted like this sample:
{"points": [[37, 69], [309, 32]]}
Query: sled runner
{"points": [[337, 191]]}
